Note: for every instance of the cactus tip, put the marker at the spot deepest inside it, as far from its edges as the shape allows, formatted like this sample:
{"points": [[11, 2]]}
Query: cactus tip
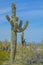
{"points": [[13, 5]]}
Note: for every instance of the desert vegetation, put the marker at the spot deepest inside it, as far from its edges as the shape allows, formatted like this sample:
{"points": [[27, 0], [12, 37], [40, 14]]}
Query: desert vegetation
{"points": [[27, 55]]}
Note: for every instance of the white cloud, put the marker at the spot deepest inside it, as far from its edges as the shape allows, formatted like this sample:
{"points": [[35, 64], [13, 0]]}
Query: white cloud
{"points": [[4, 10], [3, 13]]}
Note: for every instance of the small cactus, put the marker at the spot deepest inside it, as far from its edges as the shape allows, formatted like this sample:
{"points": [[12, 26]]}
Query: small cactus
{"points": [[14, 29], [23, 39]]}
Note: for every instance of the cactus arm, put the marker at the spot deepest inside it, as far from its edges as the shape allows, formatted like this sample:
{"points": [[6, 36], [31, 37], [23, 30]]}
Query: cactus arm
{"points": [[10, 20], [24, 27], [7, 17], [20, 25]]}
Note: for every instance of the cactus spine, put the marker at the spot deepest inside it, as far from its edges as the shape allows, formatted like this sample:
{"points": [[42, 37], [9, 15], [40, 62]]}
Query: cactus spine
{"points": [[15, 27]]}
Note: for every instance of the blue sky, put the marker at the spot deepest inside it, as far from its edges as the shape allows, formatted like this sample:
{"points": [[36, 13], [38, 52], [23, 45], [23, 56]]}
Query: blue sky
{"points": [[31, 10]]}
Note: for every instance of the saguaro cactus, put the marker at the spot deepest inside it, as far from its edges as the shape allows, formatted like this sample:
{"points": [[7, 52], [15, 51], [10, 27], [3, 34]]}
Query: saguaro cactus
{"points": [[23, 39], [15, 27]]}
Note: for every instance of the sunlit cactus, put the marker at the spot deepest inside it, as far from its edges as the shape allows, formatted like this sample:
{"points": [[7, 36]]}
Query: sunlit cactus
{"points": [[23, 39], [15, 27]]}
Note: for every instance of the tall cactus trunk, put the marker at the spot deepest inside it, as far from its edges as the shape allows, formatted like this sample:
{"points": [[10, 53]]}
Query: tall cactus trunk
{"points": [[13, 45], [15, 28]]}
